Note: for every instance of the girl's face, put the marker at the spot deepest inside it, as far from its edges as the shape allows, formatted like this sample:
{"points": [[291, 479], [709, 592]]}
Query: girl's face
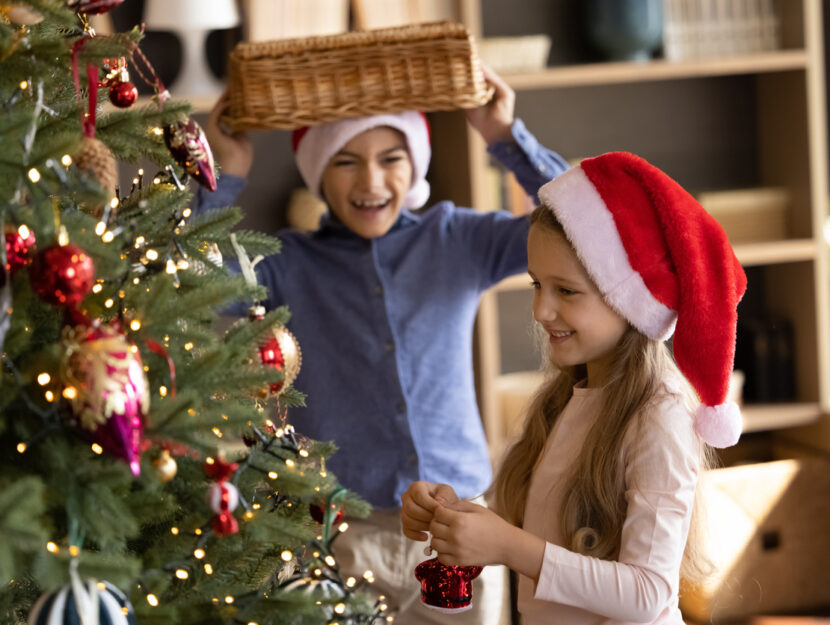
{"points": [[366, 182], [581, 327]]}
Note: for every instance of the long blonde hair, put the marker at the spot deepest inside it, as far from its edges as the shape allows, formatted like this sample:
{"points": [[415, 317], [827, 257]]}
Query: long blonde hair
{"points": [[594, 508]]}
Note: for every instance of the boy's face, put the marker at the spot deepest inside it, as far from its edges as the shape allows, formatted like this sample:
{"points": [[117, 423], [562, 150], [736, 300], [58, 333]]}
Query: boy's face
{"points": [[581, 327], [366, 182]]}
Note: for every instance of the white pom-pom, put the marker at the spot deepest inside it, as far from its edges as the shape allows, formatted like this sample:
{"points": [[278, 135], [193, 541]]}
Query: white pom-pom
{"points": [[719, 426]]}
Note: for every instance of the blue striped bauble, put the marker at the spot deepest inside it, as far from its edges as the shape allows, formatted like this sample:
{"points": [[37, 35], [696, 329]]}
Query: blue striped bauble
{"points": [[61, 608]]}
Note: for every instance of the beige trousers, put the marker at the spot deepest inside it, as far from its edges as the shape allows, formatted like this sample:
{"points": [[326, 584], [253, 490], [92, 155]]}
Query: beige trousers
{"points": [[378, 544]]}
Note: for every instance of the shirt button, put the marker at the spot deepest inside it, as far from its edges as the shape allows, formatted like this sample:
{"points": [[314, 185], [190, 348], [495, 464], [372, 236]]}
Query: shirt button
{"points": [[412, 459], [389, 346], [379, 289], [401, 406]]}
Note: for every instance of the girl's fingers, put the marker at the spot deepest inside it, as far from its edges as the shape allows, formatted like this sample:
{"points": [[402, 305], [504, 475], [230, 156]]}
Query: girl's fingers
{"points": [[415, 535]]}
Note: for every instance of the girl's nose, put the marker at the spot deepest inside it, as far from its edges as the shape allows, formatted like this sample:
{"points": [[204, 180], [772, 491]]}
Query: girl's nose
{"points": [[544, 309]]}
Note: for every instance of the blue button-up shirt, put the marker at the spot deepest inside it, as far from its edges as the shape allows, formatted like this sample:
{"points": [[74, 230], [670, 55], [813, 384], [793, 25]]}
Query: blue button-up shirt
{"points": [[385, 326]]}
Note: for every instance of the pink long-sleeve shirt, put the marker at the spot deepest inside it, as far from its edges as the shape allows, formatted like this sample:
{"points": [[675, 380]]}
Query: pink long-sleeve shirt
{"points": [[659, 467]]}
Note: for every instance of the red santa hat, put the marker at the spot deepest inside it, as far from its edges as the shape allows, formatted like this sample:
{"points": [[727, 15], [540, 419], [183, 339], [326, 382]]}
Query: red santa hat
{"points": [[446, 588], [662, 262], [315, 145]]}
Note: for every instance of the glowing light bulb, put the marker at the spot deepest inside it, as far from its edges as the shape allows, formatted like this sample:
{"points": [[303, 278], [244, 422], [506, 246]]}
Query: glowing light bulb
{"points": [[43, 379], [34, 175], [182, 574], [152, 600]]}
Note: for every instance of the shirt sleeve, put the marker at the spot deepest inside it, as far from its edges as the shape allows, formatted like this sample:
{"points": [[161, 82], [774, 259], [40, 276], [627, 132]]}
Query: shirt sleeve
{"points": [[531, 163], [228, 188], [661, 472]]}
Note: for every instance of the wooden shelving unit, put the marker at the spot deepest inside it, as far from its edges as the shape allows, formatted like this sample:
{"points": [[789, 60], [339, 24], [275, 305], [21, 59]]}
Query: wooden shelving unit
{"points": [[783, 92]]}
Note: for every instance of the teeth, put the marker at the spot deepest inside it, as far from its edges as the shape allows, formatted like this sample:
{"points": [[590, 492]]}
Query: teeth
{"points": [[370, 203], [560, 335]]}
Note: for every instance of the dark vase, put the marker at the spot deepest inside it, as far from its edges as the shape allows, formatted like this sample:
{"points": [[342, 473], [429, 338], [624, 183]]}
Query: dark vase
{"points": [[625, 30]]}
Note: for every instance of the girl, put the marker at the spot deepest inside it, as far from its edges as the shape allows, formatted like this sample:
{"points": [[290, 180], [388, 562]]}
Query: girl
{"points": [[596, 498]]}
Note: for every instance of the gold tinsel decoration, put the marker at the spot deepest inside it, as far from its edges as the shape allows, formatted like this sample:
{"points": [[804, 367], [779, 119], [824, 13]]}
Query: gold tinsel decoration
{"points": [[95, 160]]}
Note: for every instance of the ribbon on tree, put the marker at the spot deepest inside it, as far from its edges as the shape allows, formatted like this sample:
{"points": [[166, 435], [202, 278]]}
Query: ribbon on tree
{"points": [[88, 118]]}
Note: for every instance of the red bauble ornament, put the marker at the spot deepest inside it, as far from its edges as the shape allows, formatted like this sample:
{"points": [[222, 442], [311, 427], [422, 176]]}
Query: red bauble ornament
{"points": [[20, 243], [111, 393], [318, 513], [446, 588], [62, 274], [188, 145], [123, 94], [222, 497], [93, 7], [280, 350]]}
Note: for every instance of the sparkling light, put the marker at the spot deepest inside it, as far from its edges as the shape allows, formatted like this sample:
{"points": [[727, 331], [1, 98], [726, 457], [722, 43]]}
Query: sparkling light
{"points": [[228, 599], [199, 554], [273, 475], [97, 288], [21, 447], [286, 556], [340, 608], [23, 231], [152, 254], [51, 547], [208, 568], [108, 236], [182, 574], [43, 379], [152, 600], [100, 228], [34, 175], [70, 392], [66, 160], [97, 449], [135, 325], [329, 560]]}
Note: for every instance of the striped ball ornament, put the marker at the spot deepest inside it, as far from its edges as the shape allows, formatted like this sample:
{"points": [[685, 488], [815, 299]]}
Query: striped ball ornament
{"points": [[101, 603]]}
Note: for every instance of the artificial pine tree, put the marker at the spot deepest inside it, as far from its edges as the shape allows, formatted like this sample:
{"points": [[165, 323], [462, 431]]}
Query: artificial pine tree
{"points": [[139, 445]]}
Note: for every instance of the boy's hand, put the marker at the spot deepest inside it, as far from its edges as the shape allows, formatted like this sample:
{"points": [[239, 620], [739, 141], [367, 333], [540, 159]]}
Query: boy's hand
{"points": [[418, 504], [494, 120], [234, 152], [468, 534]]}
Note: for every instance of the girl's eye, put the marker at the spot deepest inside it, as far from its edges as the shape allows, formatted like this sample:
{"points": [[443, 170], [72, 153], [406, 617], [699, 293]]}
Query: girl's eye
{"points": [[535, 284], [565, 291]]}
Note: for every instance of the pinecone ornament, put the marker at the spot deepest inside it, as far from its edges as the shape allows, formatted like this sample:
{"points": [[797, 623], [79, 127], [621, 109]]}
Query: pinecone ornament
{"points": [[95, 160]]}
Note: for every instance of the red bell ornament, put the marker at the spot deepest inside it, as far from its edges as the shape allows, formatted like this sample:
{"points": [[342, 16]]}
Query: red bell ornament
{"points": [[189, 147], [110, 393], [62, 274], [222, 497]]}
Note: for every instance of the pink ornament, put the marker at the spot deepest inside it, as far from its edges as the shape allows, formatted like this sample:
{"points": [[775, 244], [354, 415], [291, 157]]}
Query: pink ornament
{"points": [[62, 274], [111, 397], [188, 145], [93, 7]]}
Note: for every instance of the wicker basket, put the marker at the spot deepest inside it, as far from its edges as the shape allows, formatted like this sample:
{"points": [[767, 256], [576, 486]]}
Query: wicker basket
{"points": [[290, 83]]}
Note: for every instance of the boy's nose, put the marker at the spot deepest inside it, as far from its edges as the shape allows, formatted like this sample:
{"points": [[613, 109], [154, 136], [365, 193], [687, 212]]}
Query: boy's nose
{"points": [[371, 176]]}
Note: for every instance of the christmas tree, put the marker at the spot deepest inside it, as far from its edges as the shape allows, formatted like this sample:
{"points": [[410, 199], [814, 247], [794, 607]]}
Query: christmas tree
{"points": [[148, 470]]}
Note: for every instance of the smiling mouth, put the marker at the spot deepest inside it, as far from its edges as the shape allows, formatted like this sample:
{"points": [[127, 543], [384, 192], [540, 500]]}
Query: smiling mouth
{"points": [[560, 335], [370, 205]]}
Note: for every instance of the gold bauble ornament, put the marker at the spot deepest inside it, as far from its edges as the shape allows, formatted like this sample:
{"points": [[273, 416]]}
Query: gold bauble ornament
{"points": [[20, 14], [165, 466]]}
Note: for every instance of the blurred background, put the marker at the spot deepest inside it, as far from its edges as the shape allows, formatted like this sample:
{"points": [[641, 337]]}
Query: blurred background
{"points": [[729, 98]]}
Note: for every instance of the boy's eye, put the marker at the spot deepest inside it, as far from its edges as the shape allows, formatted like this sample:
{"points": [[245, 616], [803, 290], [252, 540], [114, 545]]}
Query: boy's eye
{"points": [[393, 158], [342, 162]]}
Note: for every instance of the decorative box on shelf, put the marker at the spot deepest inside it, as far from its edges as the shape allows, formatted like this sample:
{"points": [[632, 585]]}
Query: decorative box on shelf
{"points": [[290, 83], [694, 29], [749, 215], [506, 55]]}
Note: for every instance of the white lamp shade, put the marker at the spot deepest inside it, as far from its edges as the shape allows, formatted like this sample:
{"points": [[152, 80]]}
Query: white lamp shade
{"points": [[178, 15]]}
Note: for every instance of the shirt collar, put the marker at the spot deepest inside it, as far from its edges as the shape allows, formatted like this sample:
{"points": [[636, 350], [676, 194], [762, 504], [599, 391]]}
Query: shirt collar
{"points": [[330, 226]]}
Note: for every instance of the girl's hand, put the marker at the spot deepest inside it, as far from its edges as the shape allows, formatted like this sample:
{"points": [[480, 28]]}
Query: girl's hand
{"points": [[233, 151], [467, 534], [494, 120], [418, 504]]}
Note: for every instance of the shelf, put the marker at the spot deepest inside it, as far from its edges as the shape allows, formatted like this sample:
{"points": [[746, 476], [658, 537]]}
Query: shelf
{"points": [[749, 254], [777, 416], [200, 104], [774, 252], [515, 389], [608, 73]]}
